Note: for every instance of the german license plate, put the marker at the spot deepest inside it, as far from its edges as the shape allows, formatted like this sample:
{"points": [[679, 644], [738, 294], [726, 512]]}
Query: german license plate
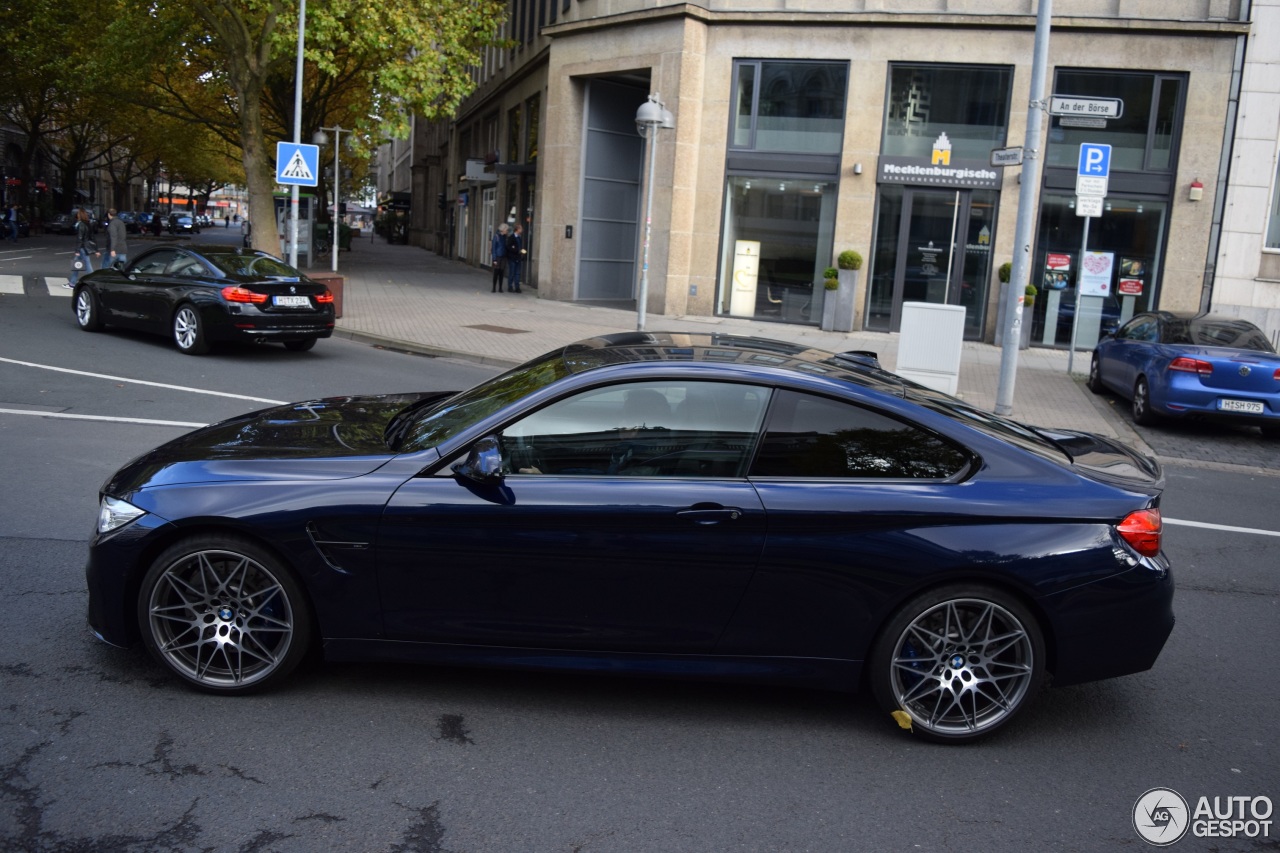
{"points": [[291, 301], [1251, 407]]}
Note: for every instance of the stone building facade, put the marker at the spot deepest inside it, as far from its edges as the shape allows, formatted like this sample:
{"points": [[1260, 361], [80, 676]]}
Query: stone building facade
{"points": [[803, 128]]}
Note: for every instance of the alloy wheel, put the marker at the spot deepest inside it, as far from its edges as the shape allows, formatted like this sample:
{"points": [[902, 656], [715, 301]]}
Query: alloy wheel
{"points": [[963, 667], [221, 619]]}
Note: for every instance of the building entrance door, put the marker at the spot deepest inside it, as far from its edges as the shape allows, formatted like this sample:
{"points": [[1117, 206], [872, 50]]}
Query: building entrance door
{"points": [[934, 245]]}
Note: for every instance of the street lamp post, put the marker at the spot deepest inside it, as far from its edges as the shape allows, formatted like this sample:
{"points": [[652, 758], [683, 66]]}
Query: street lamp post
{"points": [[322, 138], [649, 117]]}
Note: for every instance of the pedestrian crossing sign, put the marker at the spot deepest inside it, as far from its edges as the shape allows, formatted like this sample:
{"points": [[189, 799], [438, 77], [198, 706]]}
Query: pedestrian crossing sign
{"points": [[297, 164]]}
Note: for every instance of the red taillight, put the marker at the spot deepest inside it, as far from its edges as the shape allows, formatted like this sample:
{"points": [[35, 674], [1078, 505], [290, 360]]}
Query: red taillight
{"points": [[1187, 364], [239, 294], [322, 298], [1141, 530]]}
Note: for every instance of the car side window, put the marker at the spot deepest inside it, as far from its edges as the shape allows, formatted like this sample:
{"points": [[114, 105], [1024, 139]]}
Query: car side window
{"points": [[812, 436], [1142, 329], [186, 266], [153, 263], [672, 428]]}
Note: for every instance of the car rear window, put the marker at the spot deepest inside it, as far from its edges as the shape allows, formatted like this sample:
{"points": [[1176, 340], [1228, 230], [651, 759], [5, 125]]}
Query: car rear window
{"points": [[1216, 332]]}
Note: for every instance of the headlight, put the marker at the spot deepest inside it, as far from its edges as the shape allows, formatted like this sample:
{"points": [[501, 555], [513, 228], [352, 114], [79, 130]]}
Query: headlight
{"points": [[113, 513]]}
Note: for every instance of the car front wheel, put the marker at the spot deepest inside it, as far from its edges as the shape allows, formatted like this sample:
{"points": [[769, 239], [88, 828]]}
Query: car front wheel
{"points": [[223, 615], [960, 662], [88, 317], [188, 331], [1142, 413]]}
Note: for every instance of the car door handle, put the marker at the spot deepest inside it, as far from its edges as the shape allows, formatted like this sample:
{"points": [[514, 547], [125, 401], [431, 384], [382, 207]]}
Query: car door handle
{"points": [[710, 516]]}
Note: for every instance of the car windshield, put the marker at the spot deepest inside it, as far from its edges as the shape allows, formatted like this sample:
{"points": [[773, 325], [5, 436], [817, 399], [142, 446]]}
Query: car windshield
{"points": [[1218, 332], [235, 263], [440, 423]]}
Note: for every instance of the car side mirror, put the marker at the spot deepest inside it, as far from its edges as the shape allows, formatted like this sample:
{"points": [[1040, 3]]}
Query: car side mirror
{"points": [[483, 464]]}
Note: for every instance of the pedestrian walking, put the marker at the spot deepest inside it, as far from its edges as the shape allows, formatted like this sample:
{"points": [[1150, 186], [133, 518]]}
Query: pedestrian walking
{"points": [[498, 252], [117, 240], [82, 260], [11, 223], [515, 258]]}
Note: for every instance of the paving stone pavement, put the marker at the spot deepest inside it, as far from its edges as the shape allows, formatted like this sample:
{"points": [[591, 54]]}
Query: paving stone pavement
{"points": [[404, 297]]}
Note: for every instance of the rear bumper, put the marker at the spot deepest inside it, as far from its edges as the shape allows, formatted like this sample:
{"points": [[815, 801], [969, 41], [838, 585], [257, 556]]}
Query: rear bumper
{"points": [[1113, 627]]}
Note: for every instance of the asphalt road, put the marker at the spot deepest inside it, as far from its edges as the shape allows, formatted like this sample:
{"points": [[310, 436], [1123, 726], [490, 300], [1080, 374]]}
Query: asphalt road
{"points": [[101, 751]]}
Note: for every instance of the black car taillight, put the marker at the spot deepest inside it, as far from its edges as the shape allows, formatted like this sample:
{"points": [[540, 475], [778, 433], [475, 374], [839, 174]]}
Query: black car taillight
{"points": [[240, 294], [1142, 530]]}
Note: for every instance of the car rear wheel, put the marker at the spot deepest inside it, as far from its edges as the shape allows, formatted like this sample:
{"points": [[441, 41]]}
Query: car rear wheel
{"points": [[960, 661], [88, 317], [188, 331], [300, 346], [1094, 383], [223, 615], [1142, 413]]}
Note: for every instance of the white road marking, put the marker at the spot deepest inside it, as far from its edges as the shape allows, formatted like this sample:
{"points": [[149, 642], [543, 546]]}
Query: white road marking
{"points": [[53, 284], [146, 421], [143, 382], [11, 284], [1223, 527]]}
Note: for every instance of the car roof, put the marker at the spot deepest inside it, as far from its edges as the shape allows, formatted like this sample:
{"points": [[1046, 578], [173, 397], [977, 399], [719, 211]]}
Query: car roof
{"points": [[712, 348]]}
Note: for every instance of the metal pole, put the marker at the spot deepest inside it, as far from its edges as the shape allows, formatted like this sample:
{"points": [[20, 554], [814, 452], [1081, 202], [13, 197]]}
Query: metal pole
{"points": [[651, 139], [1028, 199], [297, 130], [337, 182], [1075, 321]]}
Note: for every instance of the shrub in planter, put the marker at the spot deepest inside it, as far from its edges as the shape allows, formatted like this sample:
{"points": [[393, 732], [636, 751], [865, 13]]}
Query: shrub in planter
{"points": [[849, 260]]}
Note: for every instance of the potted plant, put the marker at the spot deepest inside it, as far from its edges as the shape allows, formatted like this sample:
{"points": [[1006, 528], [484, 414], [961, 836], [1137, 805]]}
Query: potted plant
{"points": [[830, 296], [849, 262]]}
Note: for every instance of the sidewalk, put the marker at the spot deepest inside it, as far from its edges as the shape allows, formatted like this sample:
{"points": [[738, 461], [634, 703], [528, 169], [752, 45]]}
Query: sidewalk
{"points": [[404, 297]]}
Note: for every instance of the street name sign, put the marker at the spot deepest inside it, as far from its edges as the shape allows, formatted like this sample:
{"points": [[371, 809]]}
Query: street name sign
{"points": [[1068, 105], [1006, 156], [297, 164]]}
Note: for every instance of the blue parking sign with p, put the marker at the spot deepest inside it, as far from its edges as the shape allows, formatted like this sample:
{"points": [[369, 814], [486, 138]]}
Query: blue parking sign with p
{"points": [[1095, 160]]}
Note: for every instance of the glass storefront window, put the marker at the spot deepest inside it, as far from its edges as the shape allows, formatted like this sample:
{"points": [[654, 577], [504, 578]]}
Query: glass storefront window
{"points": [[790, 106], [1145, 135], [778, 236], [1126, 244], [969, 104], [1273, 224]]}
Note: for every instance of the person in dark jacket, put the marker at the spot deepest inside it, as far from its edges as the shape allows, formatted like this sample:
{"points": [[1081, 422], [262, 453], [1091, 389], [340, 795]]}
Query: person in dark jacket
{"points": [[82, 261], [498, 253], [117, 239]]}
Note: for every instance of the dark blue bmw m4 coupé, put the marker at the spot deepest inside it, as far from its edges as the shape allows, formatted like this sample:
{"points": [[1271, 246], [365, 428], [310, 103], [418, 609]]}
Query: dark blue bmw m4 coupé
{"points": [[661, 504]]}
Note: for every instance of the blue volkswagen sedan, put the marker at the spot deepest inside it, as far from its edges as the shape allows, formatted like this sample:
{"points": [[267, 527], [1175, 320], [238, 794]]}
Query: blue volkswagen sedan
{"points": [[1191, 366], [678, 505]]}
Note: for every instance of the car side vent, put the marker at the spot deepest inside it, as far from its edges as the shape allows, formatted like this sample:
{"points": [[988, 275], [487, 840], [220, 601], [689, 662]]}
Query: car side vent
{"points": [[335, 552]]}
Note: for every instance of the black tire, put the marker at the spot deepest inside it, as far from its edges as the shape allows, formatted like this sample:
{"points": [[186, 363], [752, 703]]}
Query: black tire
{"points": [[188, 330], [223, 615], [1141, 406], [933, 660], [88, 313], [300, 346], [1094, 382]]}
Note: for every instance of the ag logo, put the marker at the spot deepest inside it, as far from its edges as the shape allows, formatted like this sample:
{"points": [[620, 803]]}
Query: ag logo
{"points": [[1161, 817]]}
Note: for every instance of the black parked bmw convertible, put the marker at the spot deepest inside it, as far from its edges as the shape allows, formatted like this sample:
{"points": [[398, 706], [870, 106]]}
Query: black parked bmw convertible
{"points": [[202, 294], [696, 506]]}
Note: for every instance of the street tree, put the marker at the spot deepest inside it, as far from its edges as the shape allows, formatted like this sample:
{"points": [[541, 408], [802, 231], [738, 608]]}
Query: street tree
{"points": [[217, 62]]}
